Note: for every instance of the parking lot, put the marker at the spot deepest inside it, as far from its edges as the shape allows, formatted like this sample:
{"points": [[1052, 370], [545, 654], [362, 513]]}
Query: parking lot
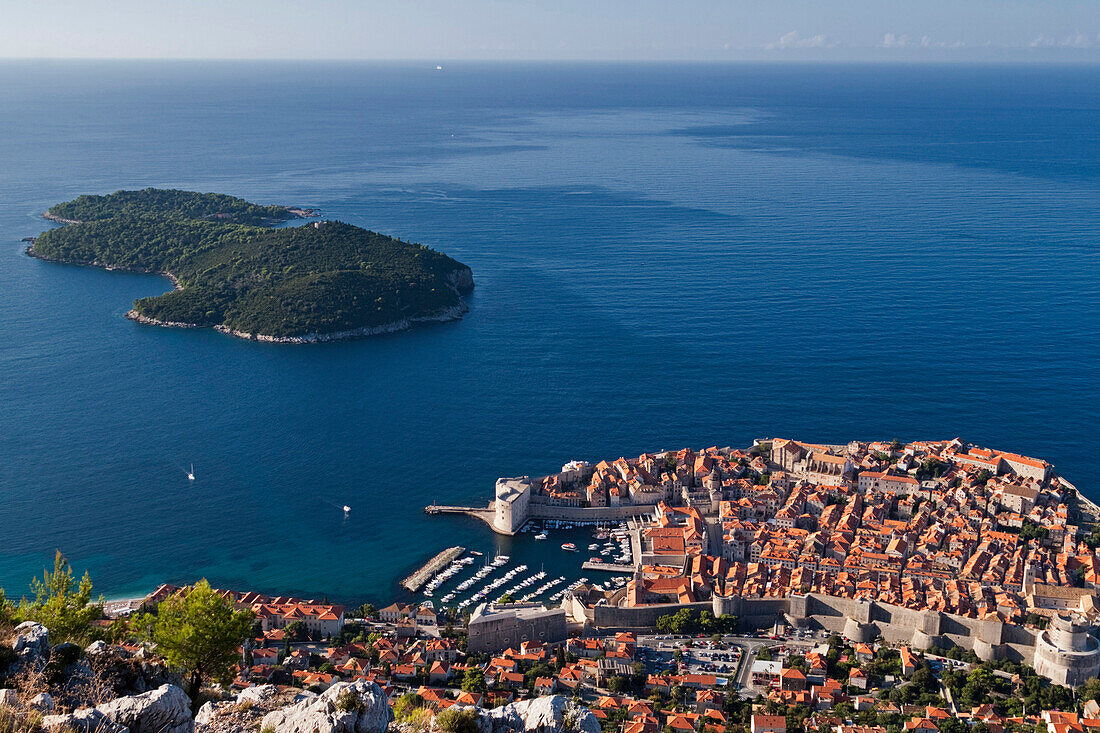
{"points": [[703, 654]]}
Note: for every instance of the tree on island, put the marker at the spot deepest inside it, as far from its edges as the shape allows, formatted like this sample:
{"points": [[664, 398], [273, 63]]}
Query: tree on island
{"points": [[199, 632]]}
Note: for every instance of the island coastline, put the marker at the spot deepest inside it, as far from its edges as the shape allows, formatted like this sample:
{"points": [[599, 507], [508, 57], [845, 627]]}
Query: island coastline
{"points": [[446, 315]]}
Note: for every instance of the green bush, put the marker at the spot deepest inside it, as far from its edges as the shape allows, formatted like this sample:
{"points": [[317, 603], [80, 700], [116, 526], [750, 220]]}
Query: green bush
{"points": [[452, 720], [405, 705], [347, 701]]}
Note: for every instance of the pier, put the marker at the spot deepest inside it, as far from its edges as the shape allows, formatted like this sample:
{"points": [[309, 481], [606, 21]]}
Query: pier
{"points": [[608, 567], [430, 568], [485, 514]]}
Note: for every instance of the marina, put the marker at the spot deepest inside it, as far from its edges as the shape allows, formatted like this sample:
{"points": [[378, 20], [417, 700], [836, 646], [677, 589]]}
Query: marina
{"points": [[415, 581], [538, 571]]}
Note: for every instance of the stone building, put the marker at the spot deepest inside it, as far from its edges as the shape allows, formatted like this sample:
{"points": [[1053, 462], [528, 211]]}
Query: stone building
{"points": [[495, 628]]}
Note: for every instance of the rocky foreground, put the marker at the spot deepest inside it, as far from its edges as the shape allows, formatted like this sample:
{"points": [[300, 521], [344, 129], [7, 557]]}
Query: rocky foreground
{"points": [[111, 689]]}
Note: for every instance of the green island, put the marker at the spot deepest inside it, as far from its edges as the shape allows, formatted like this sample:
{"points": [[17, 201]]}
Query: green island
{"points": [[322, 281]]}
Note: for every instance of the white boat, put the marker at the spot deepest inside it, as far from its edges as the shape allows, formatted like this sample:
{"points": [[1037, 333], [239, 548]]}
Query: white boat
{"points": [[569, 546], [191, 473], [347, 509], [541, 536]]}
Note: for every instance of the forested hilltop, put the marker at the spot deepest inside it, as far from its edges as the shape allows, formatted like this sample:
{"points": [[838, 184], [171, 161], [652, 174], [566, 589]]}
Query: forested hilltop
{"points": [[315, 282], [186, 204]]}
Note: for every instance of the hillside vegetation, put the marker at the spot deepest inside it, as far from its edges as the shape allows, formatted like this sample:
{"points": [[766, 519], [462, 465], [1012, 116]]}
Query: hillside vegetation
{"points": [[187, 204], [317, 279]]}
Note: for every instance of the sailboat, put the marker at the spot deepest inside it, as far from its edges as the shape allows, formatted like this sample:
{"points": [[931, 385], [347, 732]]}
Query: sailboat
{"points": [[191, 473]]}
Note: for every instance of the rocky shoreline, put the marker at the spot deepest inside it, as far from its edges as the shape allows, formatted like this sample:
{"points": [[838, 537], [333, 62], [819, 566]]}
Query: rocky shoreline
{"points": [[453, 313], [95, 263], [297, 212], [59, 220]]}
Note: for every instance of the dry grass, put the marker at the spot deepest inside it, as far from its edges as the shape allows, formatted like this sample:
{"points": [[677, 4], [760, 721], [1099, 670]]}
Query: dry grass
{"points": [[15, 721], [68, 694], [418, 720]]}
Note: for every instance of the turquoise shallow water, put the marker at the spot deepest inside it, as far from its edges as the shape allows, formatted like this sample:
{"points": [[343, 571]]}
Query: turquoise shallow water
{"points": [[664, 256]]}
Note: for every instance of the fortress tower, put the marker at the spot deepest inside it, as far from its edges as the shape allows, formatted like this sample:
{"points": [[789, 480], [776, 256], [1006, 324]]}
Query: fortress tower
{"points": [[1066, 652], [510, 504]]}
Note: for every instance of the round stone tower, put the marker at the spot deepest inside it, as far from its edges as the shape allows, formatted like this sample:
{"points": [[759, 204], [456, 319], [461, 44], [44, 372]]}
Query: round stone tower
{"points": [[1068, 633], [856, 631], [1066, 652]]}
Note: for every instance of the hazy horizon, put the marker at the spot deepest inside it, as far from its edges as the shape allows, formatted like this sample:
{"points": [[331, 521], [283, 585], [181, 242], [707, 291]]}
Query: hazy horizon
{"points": [[566, 30]]}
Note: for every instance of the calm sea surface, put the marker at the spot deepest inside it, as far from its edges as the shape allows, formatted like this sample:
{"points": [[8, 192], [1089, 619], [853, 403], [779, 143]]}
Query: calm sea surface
{"points": [[665, 256]]}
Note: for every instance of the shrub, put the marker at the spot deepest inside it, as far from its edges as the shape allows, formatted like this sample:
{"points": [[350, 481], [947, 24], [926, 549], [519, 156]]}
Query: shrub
{"points": [[347, 701], [407, 705], [457, 721], [418, 721]]}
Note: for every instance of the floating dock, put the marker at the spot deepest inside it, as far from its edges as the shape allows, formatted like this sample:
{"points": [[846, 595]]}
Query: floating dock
{"points": [[414, 582]]}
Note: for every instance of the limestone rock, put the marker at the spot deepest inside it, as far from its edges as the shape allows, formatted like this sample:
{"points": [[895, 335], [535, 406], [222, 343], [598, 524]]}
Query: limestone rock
{"points": [[32, 646], [87, 720], [96, 647], [166, 709], [64, 654], [259, 694], [42, 702], [321, 714], [553, 714], [206, 713], [123, 673], [8, 698], [244, 713]]}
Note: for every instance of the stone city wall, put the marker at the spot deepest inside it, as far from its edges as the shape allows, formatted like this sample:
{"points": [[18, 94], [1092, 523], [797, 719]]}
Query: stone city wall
{"points": [[639, 617]]}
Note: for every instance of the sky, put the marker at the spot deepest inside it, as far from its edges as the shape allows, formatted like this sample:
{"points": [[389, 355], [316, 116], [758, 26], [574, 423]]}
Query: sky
{"points": [[537, 30]]}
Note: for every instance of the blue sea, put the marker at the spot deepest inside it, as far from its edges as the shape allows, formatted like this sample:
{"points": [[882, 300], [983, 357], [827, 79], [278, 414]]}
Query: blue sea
{"points": [[665, 256]]}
